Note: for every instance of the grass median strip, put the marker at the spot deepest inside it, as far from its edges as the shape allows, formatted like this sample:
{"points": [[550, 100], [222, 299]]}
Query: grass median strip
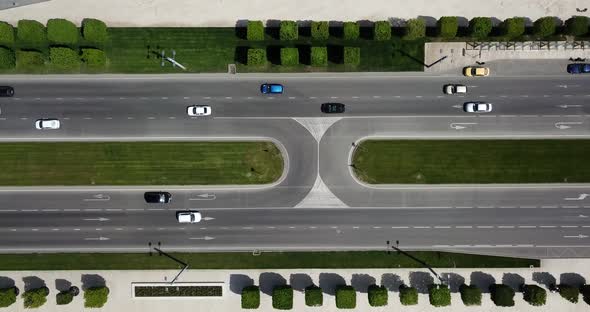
{"points": [[139, 163], [472, 161], [243, 260]]}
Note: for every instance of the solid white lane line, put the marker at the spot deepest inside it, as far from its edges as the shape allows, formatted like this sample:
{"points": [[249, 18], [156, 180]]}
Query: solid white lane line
{"points": [[548, 226], [506, 226], [421, 227], [442, 227], [568, 226], [485, 227], [464, 227], [527, 226], [399, 227]]}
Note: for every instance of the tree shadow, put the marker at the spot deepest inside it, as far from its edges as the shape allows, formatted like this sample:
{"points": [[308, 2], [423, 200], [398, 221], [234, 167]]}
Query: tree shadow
{"points": [[366, 32], [62, 284], [33, 282], [482, 280], [92, 280], [335, 28], [391, 281], [361, 282], [515, 281], [335, 53], [268, 281], [420, 281], [273, 54], [241, 55], [304, 54], [454, 281], [237, 282], [6, 282], [330, 281], [300, 281], [544, 278], [572, 279]]}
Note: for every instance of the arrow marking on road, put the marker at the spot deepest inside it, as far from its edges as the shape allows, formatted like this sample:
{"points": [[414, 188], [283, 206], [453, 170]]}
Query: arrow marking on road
{"points": [[204, 197], [576, 236], [564, 124], [580, 197], [583, 216], [97, 238], [208, 218], [566, 86], [461, 125], [203, 238], [101, 219], [98, 197], [568, 106]]}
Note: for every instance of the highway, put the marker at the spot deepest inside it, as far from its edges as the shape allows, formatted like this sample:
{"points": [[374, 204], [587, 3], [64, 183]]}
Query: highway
{"points": [[300, 211]]}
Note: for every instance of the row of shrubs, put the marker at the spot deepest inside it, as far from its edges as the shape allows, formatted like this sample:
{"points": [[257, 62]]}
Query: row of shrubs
{"points": [[94, 297], [318, 56], [447, 27], [439, 295], [60, 58]]}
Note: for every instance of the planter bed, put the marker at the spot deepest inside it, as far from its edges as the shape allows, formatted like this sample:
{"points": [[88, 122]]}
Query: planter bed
{"points": [[177, 290]]}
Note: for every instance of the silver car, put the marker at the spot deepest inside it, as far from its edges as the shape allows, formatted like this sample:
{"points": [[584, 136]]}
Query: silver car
{"points": [[477, 107]]}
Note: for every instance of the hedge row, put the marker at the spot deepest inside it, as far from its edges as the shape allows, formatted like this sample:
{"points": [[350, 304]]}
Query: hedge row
{"points": [[290, 56], [96, 297], [61, 58]]}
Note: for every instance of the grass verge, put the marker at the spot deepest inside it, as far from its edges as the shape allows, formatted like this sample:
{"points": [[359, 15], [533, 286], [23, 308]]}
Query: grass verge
{"points": [[139, 163], [472, 161], [241, 260]]}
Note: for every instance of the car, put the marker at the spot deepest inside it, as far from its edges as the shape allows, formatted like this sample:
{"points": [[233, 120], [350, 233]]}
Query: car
{"points": [[6, 91], [198, 110], [578, 68], [476, 71], [455, 89], [47, 124], [188, 216], [157, 197], [271, 88], [477, 107], [332, 108]]}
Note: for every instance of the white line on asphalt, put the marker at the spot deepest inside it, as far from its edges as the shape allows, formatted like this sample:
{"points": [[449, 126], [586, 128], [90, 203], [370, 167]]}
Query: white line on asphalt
{"points": [[506, 226], [98, 229], [55, 229], [108, 118], [418, 96], [270, 98], [567, 95], [87, 118], [186, 98], [291, 97], [247, 228], [76, 229], [71, 209], [355, 97], [482, 96], [156, 209], [333, 227], [93, 209], [139, 229], [171, 117], [529, 115], [313, 97], [118, 229], [485, 227], [121, 98], [30, 210], [525, 96], [550, 116], [399, 227], [568, 226], [38, 99], [291, 227], [50, 209], [548, 206], [333, 97], [421, 227], [313, 227], [463, 207], [486, 207], [508, 116], [503, 96], [130, 118], [546, 95], [135, 209], [34, 230], [8, 210], [207, 97], [66, 118], [528, 206], [503, 245], [228, 97], [398, 96], [271, 227], [464, 227], [355, 227], [164, 98], [570, 206], [548, 226], [507, 207], [376, 227], [113, 209], [59, 98], [151, 118], [376, 96], [527, 226], [442, 227], [24, 118]]}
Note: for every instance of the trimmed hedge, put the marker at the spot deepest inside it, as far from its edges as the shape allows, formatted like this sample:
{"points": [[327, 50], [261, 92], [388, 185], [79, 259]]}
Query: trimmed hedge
{"points": [[255, 31], [94, 58], [320, 30], [534, 295], [408, 295], [6, 34], [480, 27], [513, 27], [439, 295], [25, 59], [289, 56], [345, 297], [64, 58], [96, 297], [502, 295], [415, 29], [35, 298], [7, 296], [569, 293], [251, 297], [282, 297], [94, 31], [31, 33], [377, 296], [319, 56], [448, 26], [382, 31], [350, 30], [470, 295], [314, 296], [576, 26], [7, 58], [256, 57], [352, 56], [64, 297], [544, 26], [61, 31], [289, 30]]}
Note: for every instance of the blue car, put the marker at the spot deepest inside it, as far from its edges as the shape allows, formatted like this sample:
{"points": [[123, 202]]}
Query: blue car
{"points": [[578, 68], [271, 88]]}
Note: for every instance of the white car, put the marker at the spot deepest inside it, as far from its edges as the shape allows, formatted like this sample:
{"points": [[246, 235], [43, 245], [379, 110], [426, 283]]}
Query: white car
{"points": [[198, 110], [455, 89], [188, 216], [477, 107], [47, 124]]}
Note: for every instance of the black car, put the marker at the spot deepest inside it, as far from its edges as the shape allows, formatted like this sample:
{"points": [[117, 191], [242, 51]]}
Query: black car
{"points": [[332, 108], [6, 91], [157, 197]]}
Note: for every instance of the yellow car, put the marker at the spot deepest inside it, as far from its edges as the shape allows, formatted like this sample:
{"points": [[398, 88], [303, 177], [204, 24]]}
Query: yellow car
{"points": [[476, 71]]}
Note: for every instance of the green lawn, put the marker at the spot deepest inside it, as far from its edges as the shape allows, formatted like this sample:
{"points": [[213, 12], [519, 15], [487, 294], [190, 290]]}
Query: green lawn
{"points": [[275, 260], [472, 161], [139, 163]]}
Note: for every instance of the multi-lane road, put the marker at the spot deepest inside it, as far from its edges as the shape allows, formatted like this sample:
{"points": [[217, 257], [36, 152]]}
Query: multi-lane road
{"points": [[318, 204]]}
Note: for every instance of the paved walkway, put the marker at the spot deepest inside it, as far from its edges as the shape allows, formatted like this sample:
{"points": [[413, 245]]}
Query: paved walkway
{"points": [[227, 12], [567, 271]]}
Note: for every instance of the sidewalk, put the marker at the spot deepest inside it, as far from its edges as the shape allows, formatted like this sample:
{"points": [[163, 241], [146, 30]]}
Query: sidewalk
{"points": [[574, 271]]}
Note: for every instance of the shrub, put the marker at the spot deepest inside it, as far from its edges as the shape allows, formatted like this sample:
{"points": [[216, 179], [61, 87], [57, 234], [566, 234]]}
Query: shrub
{"points": [[448, 26], [313, 296], [61, 31], [282, 297], [255, 30], [7, 296], [439, 295], [7, 58], [96, 297], [289, 56], [35, 298], [576, 26], [320, 30], [288, 30], [64, 297], [502, 295], [94, 58], [352, 56], [480, 27], [570, 293], [6, 34], [350, 30], [544, 26], [345, 297], [94, 31], [319, 56], [250, 297], [415, 29], [382, 31], [408, 295], [64, 58], [585, 290], [513, 27], [256, 57], [31, 33], [534, 295], [377, 296], [29, 59], [471, 295]]}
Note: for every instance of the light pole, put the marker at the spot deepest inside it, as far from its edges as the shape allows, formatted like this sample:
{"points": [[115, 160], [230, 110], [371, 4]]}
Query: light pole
{"points": [[396, 248]]}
